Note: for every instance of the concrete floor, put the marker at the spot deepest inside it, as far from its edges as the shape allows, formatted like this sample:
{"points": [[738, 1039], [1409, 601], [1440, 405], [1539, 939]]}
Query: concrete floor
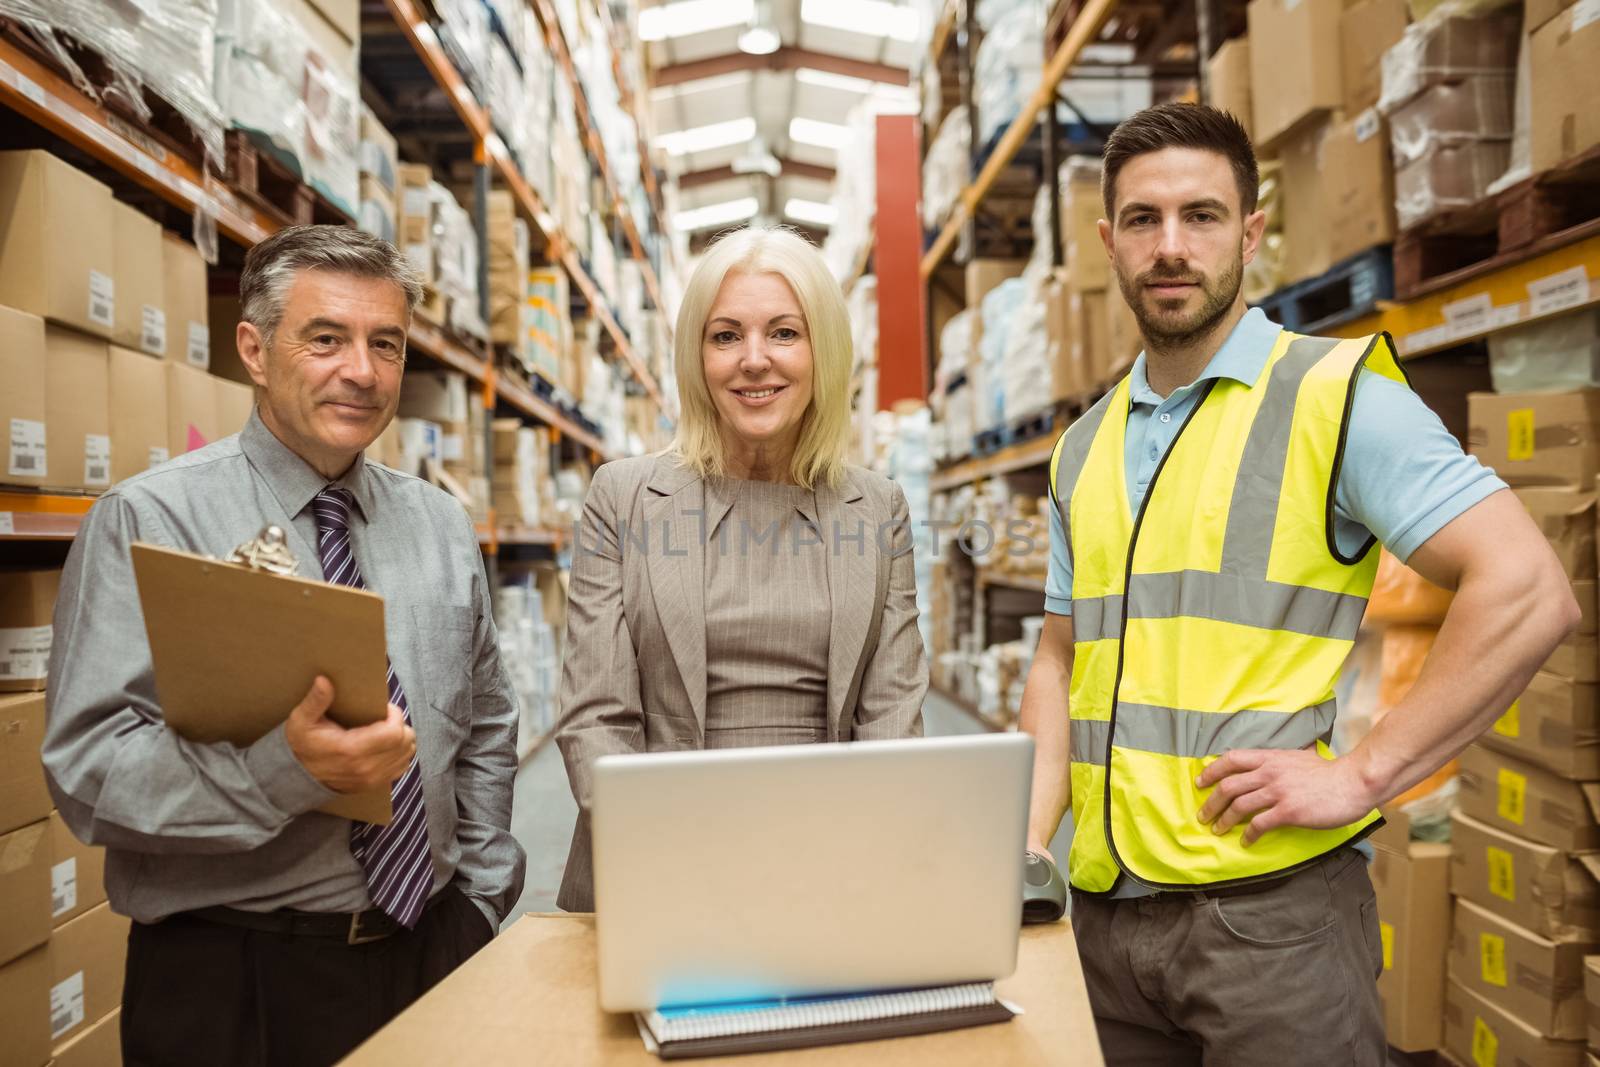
{"points": [[543, 810]]}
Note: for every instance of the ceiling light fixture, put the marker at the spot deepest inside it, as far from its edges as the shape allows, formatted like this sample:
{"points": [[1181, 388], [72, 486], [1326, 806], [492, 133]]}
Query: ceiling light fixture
{"points": [[706, 138], [721, 214], [820, 134], [760, 38], [812, 211], [875, 18], [684, 18]]}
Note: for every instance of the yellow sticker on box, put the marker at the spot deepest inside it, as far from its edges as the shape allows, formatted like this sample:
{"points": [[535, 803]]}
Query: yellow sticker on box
{"points": [[1510, 724], [1485, 1045], [1492, 956], [1386, 935], [1513, 803], [1519, 434], [1502, 873]]}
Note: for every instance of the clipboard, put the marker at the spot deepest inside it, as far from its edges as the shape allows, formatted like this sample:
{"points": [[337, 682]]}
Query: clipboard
{"points": [[235, 649]]}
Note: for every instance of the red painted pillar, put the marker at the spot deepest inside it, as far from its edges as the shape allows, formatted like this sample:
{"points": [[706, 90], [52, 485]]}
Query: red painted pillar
{"points": [[902, 363]]}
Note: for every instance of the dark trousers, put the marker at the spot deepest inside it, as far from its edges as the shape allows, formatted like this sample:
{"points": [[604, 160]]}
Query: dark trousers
{"points": [[205, 993], [1285, 975]]}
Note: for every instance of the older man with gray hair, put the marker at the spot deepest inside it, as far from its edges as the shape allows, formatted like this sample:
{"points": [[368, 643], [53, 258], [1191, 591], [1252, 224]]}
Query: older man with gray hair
{"points": [[266, 932]]}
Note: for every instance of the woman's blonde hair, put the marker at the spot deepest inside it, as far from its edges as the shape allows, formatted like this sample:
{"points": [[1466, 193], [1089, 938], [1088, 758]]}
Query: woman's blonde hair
{"points": [[819, 457]]}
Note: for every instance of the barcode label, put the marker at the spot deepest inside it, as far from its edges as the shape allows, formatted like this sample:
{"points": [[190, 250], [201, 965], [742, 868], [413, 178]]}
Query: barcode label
{"points": [[153, 331], [66, 1005], [63, 887], [102, 299], [158, 456], [199, 351], [96, 460], [27, 449]]}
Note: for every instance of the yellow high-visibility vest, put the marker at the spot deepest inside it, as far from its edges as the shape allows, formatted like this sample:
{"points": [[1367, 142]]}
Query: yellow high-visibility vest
{"points": [[1216, 618]]}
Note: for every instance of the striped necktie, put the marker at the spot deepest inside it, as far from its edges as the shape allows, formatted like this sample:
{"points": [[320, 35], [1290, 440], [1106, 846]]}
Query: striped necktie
{"points": [[395, 857]]}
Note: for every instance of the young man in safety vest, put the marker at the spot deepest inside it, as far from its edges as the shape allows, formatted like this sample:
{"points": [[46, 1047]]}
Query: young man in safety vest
{"points": [[1212, 550]]}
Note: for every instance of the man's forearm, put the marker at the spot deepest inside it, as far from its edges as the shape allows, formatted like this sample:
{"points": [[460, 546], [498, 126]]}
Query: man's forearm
{"points": [[1500, 628], [1044, 716]]}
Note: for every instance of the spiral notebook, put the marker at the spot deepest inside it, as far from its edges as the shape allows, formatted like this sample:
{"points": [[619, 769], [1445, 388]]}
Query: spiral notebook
{"points": [[801, 1022]]}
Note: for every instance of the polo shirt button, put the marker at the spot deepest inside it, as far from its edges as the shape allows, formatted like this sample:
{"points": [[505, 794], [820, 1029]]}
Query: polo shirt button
{"points": [[1166, 416]]}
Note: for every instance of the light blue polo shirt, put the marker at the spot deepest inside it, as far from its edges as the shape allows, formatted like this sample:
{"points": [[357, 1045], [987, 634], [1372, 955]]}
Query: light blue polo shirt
{"points": [[1403, 478]]}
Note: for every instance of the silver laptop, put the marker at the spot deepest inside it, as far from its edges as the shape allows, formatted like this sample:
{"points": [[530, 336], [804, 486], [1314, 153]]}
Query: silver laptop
{"points": [[747, 874]]}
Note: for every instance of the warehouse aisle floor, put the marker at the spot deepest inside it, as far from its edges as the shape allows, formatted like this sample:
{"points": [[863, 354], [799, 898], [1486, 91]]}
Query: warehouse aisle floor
{"points": [[543, 809]]}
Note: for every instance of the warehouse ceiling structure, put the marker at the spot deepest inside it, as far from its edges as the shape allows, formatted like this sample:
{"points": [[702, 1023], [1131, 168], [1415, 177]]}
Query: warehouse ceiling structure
{"points": [[749, 99]]}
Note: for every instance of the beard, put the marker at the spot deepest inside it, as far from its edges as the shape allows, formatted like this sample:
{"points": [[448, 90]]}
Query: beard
{"points": [[1167, 331]]}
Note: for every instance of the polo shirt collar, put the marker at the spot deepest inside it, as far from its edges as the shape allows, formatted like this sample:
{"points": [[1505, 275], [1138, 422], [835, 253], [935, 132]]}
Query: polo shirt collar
{"points": [[1241, 357]]}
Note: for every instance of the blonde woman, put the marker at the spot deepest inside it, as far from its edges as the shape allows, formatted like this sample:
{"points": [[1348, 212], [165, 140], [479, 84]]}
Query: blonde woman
{"points": [[746, 586]]}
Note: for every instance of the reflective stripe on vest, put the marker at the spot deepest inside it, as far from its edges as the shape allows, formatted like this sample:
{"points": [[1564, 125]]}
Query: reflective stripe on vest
{"points": [[1217, 618]]}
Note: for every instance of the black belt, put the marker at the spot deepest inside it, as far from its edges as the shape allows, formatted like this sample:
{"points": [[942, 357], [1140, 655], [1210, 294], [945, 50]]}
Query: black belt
{"points": [[354, 928]]}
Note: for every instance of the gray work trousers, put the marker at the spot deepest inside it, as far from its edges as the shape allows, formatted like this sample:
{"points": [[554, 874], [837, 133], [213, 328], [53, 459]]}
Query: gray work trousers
{"points": [[1285, 974]]}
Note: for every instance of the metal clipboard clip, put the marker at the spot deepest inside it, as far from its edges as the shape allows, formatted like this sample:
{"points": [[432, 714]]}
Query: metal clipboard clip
{"points": [[268, 551]]}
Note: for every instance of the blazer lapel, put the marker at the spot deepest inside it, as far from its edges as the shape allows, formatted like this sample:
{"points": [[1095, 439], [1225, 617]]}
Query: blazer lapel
{"points": [[852, 587], [676, 562]]}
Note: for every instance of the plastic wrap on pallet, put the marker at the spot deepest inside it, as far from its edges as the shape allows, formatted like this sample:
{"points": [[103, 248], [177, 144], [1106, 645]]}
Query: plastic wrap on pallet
{"points": [[1445, 48], [1263, 275], [1451, 176], [947, 167], [1000, 310], [991, 13], [1552, 356], [260, 77], [1521, 124], [1008, 68], [455, 253], [333, 131], [862, 302], [1027, 357], [955, 346], [504, 89], [537, 72], [464, 33], [1477, 108], [855, 194]]}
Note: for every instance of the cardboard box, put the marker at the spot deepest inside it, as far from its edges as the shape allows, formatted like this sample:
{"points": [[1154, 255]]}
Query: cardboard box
{"points": [[984, 274], [375, 210], [184, 282], [1565, 81], [77, 873], [379, 153], [1566, 517], [222, 311], [439, 396], [235, 402], [98, 1046], [1069, 375], [1284, 93], [1537, 980], [343, 16], [191, 409], [1591, 990], [22, 397], [138, 398], [1088, 326], [1480, 1031], [1446, 49], [1367, 30], [57, 250], [1537, 438], [25, 1008], [77, 395], [1412, 883], [1082, 250], [1536, 13], [1541, 888], [415, 203], [508, 269], [1228, 81], [1520, 798], [1576, 659], [24, 890], [1587, 593], [24, 798], [1554, 724], [1450, 176], [1477, 108], [1357, 186], [1123, 341], [87, 959], [141, 322], [1306, 248], [27, 602]]}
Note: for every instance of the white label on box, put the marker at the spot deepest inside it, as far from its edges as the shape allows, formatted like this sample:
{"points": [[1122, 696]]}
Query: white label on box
{"points": [[63, 887], [1501, 317], [66, 1005], [158, 456], [27, 449], [1559, 291], [450, 448], [102, 299], [24, 652], [31, 90], [153, 330], [1585, 13], [199, 351], [8, 525], [1469, 317], [1366, 125], [96, 460]]}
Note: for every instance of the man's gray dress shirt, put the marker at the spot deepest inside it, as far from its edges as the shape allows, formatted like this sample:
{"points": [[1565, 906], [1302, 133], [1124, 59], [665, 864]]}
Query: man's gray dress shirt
{"points": [[190, 825]]}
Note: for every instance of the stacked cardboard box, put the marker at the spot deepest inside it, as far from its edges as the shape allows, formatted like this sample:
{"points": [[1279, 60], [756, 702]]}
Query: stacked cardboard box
{"points": [[521, 471], [62, 949], [1564, 80], [548, 322], [379, 163], [509, 253], [1411, 880], [1447, 92]]}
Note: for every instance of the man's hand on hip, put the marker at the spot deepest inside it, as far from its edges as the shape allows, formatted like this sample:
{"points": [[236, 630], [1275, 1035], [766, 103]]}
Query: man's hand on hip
{"points": [[1269, 788], [348, 760]]}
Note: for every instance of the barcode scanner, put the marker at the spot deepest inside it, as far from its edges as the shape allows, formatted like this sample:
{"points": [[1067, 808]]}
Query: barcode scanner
{"points": [[1044, 891]]}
